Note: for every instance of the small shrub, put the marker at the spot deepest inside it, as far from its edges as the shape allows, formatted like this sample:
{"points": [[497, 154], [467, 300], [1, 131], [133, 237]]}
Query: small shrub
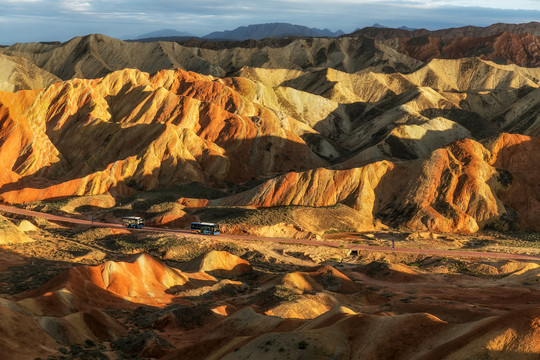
{"points": [[285, 294]]}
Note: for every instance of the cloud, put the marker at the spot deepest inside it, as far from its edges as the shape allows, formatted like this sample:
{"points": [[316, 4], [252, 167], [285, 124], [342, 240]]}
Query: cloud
{"points": [[76, 5], [21, 1], [43, 20]]}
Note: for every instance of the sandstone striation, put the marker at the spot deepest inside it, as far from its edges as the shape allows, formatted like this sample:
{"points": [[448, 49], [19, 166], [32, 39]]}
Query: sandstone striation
{"points": [[112, 284], [316, 311], [132, 131]]}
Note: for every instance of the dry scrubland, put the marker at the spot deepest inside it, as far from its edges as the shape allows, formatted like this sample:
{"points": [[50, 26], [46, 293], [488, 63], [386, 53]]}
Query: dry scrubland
{"points": [[78, 291]]}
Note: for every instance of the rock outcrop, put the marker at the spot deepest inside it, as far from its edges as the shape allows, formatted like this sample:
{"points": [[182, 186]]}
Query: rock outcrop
{"points": [[12, 234]]}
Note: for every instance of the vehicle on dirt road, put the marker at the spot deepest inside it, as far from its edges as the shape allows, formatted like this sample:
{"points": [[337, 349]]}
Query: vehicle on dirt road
{"points": [[133, 222], [204, 228]]}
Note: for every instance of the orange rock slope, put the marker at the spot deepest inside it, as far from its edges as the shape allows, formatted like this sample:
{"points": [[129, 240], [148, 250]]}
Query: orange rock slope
{"points": [[463, 187], [143, 280], [131, 131]]}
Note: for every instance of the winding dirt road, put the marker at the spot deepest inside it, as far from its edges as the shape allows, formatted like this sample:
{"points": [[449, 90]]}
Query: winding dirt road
{"points": [[424, 251]]}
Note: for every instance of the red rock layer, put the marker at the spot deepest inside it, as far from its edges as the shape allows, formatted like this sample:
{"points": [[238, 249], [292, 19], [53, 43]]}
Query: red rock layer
{"points": [[520, 49]]}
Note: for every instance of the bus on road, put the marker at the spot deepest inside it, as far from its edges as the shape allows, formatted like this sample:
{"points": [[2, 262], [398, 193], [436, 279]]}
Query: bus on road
{"points": [[204, 228], [133, 222]]}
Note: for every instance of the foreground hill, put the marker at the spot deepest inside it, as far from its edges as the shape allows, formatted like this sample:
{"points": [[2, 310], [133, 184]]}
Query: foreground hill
{"points": [[219, 306]]}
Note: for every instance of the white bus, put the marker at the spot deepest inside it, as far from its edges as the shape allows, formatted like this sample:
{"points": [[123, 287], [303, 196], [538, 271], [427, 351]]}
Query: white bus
{"points": [[133, 222]]}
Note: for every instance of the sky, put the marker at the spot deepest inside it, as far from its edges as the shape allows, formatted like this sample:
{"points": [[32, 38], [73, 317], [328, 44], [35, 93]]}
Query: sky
{"points": [[61, 20]]}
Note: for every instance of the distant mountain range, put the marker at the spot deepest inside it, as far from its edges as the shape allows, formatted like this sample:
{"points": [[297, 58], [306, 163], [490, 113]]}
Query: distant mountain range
{"points": [[164, 33], [376, 31], [377, 25], [261, 31], [250, 32]]}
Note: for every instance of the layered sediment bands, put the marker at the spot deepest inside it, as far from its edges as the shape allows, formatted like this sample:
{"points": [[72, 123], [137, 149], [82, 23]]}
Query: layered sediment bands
{"points": [[463, 187], [342, 333], [503, 43], [131, 129], [446, 99], [378, 33], [449, 191], [320, 137], [25, 147], [143, 279], [144, 308]]}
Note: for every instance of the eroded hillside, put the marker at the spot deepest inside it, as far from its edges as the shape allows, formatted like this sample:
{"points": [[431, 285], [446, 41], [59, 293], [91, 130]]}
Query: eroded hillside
{"points": [[318, 138]]}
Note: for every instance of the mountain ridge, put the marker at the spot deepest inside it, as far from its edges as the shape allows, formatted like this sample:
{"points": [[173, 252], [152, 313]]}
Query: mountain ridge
{"points": [[95, 56], [164, 33], [379, 33], [261, 31]]}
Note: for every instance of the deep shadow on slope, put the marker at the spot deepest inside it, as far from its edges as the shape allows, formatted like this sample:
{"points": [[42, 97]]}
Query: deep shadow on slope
{"points": [[263, 158], [30, 274], [244, 160]]}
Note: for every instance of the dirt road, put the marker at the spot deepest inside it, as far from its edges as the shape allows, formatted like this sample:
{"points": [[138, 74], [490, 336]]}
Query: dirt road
{"points": [[424, 251]]}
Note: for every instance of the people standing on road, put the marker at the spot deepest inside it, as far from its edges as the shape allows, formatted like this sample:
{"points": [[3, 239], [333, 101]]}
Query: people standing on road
{"points": [[392, 244]]}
